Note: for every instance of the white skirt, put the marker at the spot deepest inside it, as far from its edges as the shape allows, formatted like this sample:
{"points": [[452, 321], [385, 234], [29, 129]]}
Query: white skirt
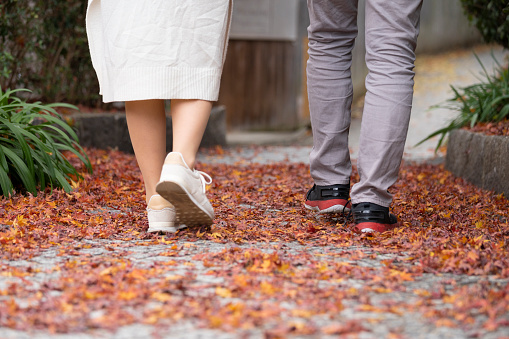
{"points": [[158, 49]]}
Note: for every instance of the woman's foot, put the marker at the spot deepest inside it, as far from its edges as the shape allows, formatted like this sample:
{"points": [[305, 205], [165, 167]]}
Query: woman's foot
{"points": [[161, 216], [184, 188]]}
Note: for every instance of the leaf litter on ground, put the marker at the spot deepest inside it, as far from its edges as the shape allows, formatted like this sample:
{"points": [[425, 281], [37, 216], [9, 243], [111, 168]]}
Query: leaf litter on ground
{"points": [[266, 263]]}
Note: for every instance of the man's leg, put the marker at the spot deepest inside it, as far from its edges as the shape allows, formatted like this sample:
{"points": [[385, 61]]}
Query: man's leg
{"points": [[332, 33], [392, 28]]}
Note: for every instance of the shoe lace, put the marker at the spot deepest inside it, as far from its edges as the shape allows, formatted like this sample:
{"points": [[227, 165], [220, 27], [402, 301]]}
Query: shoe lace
{"points": [[350, 213], [205, 179]]}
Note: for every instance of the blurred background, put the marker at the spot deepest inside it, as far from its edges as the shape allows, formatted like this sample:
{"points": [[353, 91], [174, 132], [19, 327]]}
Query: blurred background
{"points": [[44, 48]]}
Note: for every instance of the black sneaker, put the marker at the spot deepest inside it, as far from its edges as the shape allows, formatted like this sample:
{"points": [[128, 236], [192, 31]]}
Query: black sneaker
{"points": [[328, 199], [369, 218]]}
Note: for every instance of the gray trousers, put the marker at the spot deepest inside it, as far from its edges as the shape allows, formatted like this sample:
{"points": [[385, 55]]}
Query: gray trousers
{"points": [[392, 27]]}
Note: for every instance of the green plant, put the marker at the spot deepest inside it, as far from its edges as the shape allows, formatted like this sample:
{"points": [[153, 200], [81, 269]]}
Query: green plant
{"points": [[491, 17], [5, 59], [487, 101], [32, 139]]}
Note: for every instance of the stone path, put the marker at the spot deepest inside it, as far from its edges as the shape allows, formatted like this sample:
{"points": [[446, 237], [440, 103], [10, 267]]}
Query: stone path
{"points": [[377, 325]]}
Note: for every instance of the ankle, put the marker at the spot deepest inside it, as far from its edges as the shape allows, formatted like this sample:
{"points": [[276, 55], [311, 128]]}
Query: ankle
{"points": [[157, 202], [189, 159], [190, 163]]}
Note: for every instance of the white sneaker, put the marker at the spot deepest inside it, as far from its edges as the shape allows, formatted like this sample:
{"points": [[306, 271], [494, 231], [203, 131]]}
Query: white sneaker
{"points": [[185, 189], [161, 215]]}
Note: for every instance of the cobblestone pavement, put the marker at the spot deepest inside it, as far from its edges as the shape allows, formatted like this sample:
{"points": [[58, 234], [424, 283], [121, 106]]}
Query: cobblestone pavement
{"points": [[376, 325], [430, 84]]}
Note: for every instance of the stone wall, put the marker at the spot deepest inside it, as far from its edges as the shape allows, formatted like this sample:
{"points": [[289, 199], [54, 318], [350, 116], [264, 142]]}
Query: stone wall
{"points": [[482, 160], [109, 130]]}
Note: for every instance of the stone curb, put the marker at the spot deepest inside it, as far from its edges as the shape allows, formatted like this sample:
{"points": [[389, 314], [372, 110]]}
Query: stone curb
{"points": [[109, 130], [481, 159]]}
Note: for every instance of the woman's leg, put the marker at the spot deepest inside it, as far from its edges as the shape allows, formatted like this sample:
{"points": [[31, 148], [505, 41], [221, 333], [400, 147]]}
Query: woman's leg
{"points": [[146, 121], [189, 119], [180, 184]]}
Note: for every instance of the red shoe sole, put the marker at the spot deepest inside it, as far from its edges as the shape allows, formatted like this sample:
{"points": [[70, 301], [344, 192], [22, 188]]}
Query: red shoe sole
{"points": [[327, 204], [369, 227]]}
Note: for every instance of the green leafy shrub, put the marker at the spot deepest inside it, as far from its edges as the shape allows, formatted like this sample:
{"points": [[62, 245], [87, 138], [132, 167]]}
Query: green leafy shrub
{"points": [[44, 47], [487, 101], [32, 139], [491, 17]]}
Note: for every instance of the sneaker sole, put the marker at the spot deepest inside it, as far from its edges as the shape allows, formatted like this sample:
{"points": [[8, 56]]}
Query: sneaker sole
{"points": [[187, 210], [164, 228], [371, 227], [328, 206]]}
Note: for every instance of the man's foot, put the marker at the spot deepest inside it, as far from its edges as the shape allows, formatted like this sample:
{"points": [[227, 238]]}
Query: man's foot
{"points": [[369, 218], [185, 190], [161, 216], [328, 199]]}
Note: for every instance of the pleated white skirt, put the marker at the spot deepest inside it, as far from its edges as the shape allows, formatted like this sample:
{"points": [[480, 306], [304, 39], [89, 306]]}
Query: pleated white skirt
{"points": [[158, 49]]}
